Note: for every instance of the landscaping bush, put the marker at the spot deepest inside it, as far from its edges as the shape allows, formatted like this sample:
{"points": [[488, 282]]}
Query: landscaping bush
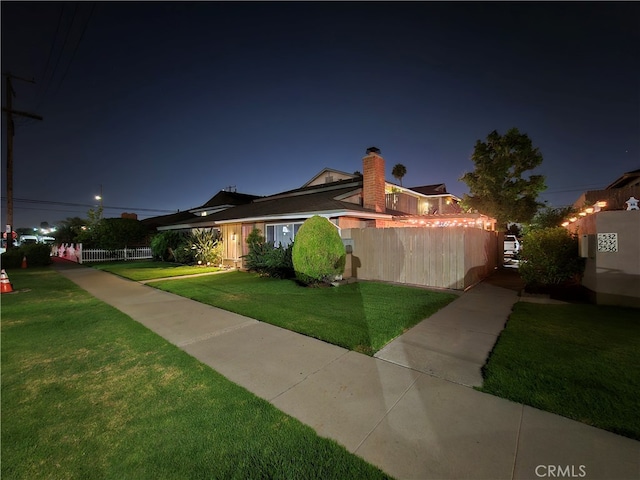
{"points": [[12, 258], [550, 256], [266, 259], [184, 254], [164, 244], [257, 245], [206, 246], [38, 255], [278, 261], [318, 252]]}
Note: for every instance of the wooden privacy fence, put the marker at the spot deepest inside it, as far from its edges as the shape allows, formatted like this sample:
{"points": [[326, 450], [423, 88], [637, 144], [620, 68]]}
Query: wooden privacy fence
{"points": [[436, 257]]}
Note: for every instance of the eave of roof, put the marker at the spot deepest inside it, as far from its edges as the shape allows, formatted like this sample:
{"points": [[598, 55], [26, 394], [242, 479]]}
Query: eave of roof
{"points": [[624, 180], [327, 169], [314, 189], [224, 198], [434, 189], [304, 215], [169, 219]]}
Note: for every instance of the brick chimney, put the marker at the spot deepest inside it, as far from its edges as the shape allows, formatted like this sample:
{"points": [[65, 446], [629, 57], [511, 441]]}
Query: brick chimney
{"points": [[373, 196]]}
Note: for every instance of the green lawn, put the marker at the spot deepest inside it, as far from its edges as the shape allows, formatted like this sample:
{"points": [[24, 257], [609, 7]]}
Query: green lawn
{"points": [[361, 316], [579, 361], [89, 393], [149, 270]]}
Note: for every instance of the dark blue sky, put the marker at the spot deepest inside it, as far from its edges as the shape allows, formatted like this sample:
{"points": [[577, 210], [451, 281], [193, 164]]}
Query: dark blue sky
{"points": [[164, 104]]}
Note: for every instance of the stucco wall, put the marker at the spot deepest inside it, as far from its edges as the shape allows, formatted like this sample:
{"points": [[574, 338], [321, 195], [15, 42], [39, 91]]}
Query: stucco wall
{"points": [[612, 271]]}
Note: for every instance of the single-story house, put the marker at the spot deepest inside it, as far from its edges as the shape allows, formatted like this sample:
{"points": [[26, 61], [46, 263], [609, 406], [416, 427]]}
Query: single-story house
{"points": [[348, 200]]}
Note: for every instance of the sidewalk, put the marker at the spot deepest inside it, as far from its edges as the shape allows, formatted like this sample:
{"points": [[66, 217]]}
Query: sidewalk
{"points": [[394, 410]]}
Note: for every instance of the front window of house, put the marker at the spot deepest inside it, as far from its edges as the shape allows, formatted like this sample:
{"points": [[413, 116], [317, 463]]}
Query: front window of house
{"points": [[282, 233]]}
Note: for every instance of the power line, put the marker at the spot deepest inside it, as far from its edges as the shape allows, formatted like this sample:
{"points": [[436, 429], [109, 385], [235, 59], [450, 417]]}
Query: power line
{"points": [[85, 205], [39, 209], [84, 29], [55, 68], [46, 67]]}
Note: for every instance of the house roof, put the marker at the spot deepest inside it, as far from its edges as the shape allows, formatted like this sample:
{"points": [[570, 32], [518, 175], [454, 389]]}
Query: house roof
{"points": [[224, 198], [330, 172], [435, 189], [625, 180], [326, 199], [318, 198], [171, 219], [220, 200]]}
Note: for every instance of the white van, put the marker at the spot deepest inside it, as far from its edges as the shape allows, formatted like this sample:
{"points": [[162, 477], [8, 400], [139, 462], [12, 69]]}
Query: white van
{"points": [[47, 240], [511, 245], [27, 239]]}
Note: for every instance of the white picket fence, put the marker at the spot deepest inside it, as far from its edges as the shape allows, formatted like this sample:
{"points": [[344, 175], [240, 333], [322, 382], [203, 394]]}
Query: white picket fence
{"points": [[95, 255]]}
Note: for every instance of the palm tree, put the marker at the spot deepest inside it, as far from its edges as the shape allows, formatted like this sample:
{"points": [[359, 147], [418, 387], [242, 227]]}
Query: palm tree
{"points": [[399, 171]]}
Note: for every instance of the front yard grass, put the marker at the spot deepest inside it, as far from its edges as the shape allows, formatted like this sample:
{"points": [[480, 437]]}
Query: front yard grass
{"points": [[361, 316], [89, 393], [150, 270], [579, 361]]}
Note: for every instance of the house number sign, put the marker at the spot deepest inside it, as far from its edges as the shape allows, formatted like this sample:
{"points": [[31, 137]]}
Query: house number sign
{"points": [[607, 242]]}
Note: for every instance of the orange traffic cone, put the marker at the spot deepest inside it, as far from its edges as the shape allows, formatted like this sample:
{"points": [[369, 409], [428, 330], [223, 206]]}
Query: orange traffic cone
{"points": [[24, 262], [5, 284]]}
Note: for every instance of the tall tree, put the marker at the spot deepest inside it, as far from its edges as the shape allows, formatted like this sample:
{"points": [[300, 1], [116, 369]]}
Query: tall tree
{"points": [[497, 186], [399, 171], [69, 230]]}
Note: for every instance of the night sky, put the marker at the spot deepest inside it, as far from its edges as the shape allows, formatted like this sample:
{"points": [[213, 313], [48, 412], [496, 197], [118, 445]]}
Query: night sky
{"points": [[165, 104]]}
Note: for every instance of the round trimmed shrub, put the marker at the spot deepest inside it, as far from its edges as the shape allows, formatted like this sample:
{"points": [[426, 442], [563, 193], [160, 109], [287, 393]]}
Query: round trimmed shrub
{"points": [[318, 252]]}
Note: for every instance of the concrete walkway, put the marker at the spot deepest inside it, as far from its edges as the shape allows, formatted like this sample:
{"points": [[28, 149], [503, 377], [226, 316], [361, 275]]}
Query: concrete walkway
{"points": [[407, 411]]}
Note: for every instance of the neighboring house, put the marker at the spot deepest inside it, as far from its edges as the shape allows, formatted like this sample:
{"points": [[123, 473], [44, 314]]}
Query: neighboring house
{"points": [[608, 235], [614, 195], [349, 201]]}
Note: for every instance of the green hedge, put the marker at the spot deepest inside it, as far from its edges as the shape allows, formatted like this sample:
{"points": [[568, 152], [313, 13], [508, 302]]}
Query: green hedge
{"points": [[38, 255], [550, 256]]}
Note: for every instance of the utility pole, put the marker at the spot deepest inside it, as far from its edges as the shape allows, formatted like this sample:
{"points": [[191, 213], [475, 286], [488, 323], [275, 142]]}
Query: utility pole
{"points": [[10, 132]]}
